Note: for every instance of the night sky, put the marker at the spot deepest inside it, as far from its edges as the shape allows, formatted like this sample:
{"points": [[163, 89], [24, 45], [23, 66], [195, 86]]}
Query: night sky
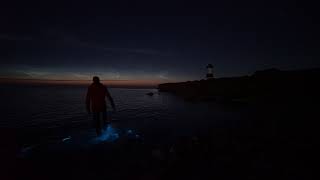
{"points": [[154, 41]]}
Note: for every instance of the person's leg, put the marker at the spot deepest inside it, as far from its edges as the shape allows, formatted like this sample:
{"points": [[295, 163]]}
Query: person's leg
{"points": [[97, 121], [105, 121]]}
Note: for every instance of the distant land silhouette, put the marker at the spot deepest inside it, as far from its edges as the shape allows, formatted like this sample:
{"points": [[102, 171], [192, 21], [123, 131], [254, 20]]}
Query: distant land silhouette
{"points": [[265, 85]]}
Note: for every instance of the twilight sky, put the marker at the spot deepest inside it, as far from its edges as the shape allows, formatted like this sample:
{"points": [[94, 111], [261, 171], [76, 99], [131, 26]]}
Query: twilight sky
{"points": [[154, 41]]}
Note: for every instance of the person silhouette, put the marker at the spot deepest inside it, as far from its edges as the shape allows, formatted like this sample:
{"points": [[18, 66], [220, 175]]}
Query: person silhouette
{"points": [[96, 103]]}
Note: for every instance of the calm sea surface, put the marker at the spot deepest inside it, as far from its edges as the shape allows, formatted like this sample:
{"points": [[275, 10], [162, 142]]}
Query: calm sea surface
{"points": [[62, 110]]}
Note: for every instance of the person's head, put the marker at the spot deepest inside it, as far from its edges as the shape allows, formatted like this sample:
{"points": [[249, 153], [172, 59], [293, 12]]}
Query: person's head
{"points": [[96, 79]]}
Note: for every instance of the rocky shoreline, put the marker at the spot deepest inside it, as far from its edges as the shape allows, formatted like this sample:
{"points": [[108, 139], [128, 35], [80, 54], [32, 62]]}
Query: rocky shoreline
{"points": [[266, 85]]}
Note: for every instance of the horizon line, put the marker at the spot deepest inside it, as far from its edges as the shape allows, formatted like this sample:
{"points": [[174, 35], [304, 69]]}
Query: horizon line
{"points": [[65, 79], [116, 83]]}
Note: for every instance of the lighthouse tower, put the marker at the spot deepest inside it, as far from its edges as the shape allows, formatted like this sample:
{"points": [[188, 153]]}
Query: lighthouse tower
{"points": [[209, 71]]}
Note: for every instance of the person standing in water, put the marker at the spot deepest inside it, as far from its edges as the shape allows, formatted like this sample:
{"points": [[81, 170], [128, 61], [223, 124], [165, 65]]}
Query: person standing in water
{"points": [[96, 103]]}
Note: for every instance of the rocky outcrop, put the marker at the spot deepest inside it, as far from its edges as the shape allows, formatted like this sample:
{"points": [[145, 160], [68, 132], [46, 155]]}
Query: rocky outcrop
{"points": [[267, 85]]}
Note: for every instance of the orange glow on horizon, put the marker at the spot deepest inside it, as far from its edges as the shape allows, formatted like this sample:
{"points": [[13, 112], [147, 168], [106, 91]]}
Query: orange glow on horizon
{"points": [[142, 83]]}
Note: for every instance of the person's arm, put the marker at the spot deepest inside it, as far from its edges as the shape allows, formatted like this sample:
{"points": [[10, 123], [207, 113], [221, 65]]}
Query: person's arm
{"points": [[88, 101], [110, 99]]}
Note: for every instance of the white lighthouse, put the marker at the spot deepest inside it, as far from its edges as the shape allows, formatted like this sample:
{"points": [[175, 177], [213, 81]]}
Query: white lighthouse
{"points": [[209, 71]]}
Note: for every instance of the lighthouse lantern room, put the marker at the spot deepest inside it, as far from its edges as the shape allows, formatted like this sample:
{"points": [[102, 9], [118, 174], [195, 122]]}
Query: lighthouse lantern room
{"points": [[209, 71]]}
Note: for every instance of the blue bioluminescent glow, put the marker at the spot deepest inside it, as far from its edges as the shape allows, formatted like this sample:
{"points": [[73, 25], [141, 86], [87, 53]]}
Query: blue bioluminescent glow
{"points": [[109, 134], [26, 151], [132, 134], [66, 139]]}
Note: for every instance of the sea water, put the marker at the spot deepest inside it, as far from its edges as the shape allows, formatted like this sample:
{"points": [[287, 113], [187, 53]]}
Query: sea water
{"points": [[58, 113]]}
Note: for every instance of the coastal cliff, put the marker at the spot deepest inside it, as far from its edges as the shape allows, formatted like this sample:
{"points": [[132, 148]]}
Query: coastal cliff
{"points": [[262, 85]]}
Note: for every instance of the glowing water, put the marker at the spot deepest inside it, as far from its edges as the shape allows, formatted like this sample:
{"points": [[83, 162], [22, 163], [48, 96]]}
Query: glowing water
{"points": [[109, 134], [66, 139]]}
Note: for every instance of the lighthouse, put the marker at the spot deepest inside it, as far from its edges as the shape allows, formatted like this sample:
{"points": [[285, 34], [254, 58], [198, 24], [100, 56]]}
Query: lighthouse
{"points": [[209, 71]]}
